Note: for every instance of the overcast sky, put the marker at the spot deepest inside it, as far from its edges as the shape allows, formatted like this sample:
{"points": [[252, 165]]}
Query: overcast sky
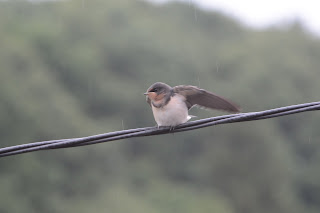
{"points": [[265, 13]]}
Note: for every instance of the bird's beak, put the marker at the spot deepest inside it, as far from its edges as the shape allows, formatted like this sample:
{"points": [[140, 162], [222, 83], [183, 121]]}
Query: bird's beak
{"points": [[146, 93]]}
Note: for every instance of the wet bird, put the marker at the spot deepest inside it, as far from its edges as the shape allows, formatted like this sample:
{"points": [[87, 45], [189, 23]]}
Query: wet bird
{"points": [[170, 105]]}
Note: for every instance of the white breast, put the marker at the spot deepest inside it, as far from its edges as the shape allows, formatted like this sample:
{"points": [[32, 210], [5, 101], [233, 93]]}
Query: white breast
{"points": [[172, 114]]}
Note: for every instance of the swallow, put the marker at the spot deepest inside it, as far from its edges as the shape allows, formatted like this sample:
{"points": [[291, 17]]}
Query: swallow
{"points": [[170, 105]]}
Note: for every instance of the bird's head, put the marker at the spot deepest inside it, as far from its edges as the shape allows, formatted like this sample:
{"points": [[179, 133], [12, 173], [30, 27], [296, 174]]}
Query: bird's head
{"points": [[158, 91]]}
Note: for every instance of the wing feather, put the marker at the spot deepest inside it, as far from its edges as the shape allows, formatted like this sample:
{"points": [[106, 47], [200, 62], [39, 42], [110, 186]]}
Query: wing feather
{"points": [[203, 98]]}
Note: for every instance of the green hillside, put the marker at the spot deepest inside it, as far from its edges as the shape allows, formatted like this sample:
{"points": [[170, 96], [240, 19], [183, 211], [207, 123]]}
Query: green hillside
{"points": [[77, 68]]}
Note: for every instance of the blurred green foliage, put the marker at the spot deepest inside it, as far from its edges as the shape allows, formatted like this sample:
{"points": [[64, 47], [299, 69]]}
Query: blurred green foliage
{"points": [[78, 68]]}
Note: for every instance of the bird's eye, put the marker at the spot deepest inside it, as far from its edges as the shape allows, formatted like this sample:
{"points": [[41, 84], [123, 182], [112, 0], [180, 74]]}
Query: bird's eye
{"points": [[154, 90]]}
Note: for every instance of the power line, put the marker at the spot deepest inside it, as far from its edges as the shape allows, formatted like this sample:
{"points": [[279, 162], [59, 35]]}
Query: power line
{"points": [[148, 131]]}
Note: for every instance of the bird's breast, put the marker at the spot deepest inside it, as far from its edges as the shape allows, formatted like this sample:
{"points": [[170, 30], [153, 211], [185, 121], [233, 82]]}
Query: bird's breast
{"points": [[175, 112]]}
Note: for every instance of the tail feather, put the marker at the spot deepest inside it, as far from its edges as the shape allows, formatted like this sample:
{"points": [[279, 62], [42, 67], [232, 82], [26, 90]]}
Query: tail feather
{"points": [[191, 116]]}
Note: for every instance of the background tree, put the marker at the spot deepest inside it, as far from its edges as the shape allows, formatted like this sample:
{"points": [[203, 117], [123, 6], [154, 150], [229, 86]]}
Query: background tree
{"points": [[69, 70]]}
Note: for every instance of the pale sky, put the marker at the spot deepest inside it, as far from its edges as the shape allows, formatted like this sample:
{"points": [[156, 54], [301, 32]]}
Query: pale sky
{"points": [[265, 13]]}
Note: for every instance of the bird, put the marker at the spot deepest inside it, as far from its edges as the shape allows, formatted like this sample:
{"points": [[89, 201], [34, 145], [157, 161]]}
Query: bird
{"points": [[170, 105]]}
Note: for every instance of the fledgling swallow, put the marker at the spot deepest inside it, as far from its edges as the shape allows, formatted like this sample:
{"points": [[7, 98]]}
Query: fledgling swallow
{"points": [[170, 105]]}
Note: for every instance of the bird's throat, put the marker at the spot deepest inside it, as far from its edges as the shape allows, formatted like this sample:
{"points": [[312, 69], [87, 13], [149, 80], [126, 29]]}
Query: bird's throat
{"points": [[160, 101]]}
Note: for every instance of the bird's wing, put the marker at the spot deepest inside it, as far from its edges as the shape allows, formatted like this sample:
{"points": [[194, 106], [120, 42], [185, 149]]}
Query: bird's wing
{"points": [[203, 98]]}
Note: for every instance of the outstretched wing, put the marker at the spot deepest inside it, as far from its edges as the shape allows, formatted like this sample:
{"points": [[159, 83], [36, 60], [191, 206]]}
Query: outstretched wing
{"points": [[203, 98]]}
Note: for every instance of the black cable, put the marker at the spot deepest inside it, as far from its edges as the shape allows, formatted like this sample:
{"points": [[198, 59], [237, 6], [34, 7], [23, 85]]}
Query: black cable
{"points": [[148, 131]]}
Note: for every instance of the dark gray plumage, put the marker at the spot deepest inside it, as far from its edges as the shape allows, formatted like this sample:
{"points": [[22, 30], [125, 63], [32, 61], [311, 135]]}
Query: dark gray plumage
{"points": [[203, 98]]}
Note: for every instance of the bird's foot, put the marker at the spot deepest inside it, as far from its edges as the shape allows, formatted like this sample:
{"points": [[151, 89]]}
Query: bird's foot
{"points": [[172, 128]]}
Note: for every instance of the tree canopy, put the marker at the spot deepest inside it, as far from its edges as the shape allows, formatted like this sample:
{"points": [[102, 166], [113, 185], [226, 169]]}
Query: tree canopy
{"points": [[73, 68]]}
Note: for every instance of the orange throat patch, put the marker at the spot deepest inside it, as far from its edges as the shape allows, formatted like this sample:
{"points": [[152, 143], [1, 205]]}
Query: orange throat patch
{"points": [[157, 99]]}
